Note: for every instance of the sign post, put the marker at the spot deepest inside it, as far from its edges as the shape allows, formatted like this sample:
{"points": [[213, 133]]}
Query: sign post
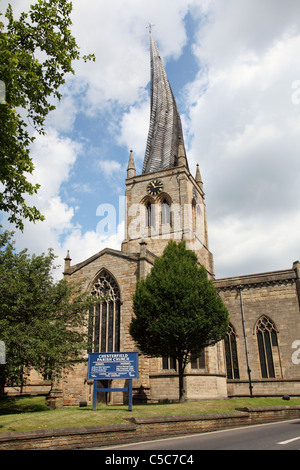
{"points": [[107, 366]]}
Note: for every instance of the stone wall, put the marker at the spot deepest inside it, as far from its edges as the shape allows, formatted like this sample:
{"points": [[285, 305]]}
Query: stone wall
{"points": [[275, 296], [141, 429], [125, 269]]}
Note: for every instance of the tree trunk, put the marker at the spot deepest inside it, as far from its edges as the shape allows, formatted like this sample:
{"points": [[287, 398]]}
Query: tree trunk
{"points": [[181, 368], [2, 379]]}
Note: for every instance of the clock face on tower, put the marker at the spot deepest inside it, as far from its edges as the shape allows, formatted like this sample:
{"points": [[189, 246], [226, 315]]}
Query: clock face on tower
{"points": [[155, 187]]}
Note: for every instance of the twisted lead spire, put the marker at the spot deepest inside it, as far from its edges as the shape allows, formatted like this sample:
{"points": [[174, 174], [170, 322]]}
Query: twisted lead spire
{"points": [[165, 128]]}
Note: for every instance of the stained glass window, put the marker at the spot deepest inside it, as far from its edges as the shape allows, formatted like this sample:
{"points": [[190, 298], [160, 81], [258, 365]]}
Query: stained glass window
{"points": [[231, 355], [104, 318], [267, 342]]}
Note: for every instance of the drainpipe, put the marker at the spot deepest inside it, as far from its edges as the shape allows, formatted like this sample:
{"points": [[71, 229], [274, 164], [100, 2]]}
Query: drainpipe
{"points": [[246, 344], [296, 267]]}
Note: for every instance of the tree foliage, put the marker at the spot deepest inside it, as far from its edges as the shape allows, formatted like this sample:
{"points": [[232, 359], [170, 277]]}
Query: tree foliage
{"points": [[37, 51], [177, 309], [43, 322]]}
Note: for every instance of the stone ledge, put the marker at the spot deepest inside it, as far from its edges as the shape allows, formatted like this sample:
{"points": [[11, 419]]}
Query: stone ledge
{"points": [[261, 409], [58, 432], [185, 418], [254, 280], [141, 429]]}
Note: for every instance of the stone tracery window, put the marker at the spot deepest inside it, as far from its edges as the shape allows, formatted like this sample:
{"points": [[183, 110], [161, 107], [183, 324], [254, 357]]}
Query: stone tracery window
{"points": [[268, 350], [231, 356], [104, 318]]}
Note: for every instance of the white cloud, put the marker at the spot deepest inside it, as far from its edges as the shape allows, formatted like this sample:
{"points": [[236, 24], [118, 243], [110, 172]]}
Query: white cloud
{"points": [[134, 128], [233, 29], [246, 246], [246, 133], [117, 36], [109, 167], [83, 245], [63, 117], [53, 157], [243, 126]]}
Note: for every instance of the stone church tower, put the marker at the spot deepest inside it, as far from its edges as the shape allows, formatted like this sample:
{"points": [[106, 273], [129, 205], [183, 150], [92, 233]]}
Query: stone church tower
{"points": [[164, 202]]}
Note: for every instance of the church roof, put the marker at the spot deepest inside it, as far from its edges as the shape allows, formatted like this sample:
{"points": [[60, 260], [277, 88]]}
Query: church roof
{"points": [[165, 130]]}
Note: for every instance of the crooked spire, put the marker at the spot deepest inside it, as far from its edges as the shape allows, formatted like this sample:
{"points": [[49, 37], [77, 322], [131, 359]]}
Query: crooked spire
{"points": [[165, 130]]}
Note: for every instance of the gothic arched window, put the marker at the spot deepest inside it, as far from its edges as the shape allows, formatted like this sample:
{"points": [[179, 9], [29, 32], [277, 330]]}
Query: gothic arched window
{"points": [[104, 318], [232, 364], [149, 215], [267, 342], [165, 212]]}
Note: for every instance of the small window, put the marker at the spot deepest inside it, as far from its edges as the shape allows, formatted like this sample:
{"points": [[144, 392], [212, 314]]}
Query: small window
{"points": [[199, 361], [169, 363]]}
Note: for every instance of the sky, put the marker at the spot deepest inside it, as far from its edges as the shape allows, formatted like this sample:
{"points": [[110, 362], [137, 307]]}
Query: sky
{"points": [[234, 69]]}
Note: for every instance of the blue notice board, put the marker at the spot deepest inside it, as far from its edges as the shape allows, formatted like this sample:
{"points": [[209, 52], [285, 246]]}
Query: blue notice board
{"points": [[115, 365]]}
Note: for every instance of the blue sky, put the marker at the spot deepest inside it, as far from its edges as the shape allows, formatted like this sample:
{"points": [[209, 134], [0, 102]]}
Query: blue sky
{"points": [[234, 70]]}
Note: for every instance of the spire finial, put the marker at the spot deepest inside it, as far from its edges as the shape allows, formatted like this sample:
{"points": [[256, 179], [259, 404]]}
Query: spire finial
{"points": [[68, 260], [181, 153], [150, 27], [198, 177], [131, 166]]}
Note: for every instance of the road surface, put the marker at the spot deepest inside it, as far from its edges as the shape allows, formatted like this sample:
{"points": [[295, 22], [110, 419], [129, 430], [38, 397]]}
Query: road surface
{"points": [[284, 435]]}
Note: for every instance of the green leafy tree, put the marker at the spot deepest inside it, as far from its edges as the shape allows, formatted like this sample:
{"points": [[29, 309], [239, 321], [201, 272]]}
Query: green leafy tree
{"points": [[177, 309], [37, 51], [43, 322]]}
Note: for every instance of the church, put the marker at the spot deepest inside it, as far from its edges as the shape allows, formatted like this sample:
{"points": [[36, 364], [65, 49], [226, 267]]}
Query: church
{"points": [[260, 355]]}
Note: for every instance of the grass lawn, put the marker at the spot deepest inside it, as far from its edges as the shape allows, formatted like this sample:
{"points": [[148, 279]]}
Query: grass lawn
{"points": [[25, 413]]}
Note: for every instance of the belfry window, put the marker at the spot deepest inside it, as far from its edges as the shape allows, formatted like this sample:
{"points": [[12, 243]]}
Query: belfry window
{"points": [[165, 212], [231, 355], [267, 342], [104, 318], [149, 213]]}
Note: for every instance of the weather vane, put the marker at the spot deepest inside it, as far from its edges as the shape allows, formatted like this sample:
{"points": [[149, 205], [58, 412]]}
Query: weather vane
{"points": [[150, 27]]}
